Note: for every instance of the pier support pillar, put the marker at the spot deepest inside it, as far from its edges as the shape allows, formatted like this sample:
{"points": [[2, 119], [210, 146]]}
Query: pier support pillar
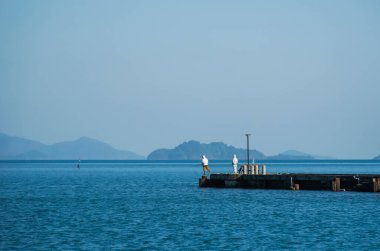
{"points": [[256, 169], [263, 169], [336, 185], [202, 181]]}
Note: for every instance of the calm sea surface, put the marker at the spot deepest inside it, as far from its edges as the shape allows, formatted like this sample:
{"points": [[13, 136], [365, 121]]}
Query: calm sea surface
{"points": [[142, 205]]}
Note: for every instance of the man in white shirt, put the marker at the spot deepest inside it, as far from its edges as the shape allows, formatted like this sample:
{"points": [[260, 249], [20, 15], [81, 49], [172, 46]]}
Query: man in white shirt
{"points": [[235, 162], [205, 165]]}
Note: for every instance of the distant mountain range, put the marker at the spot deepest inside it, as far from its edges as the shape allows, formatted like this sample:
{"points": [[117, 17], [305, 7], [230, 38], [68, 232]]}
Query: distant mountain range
{"points": [[193, 150], [15, 148], [296, 155], [377, 157]]}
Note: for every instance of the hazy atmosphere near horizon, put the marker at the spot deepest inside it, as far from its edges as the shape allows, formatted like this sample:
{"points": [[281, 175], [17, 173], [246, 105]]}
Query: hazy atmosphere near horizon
{"points": [[142, 75]]}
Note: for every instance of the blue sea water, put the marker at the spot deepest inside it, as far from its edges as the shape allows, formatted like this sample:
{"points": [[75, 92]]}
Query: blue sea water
{"points": [[145, 205]]}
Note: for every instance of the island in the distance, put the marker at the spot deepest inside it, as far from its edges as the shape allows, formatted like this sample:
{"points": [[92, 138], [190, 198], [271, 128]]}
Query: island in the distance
{"points": [[192, 150]]}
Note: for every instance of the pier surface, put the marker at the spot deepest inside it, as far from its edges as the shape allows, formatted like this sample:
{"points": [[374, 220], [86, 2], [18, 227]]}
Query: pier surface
{"points": [[295, 181]]}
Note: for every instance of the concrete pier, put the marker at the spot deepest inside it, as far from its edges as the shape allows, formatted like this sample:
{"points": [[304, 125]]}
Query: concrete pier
{"points": [[293, 181]]}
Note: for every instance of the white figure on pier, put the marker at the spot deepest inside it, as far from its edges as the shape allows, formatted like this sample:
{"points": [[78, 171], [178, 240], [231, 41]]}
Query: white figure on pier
{"points": [[235, 162], [205, 165]]}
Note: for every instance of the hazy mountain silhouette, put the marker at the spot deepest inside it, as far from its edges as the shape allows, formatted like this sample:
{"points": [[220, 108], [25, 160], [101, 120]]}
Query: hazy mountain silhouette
{"points": [[193, 150], [16, 148], [82, 148], [296, 155], [377, 157], [11, 146]]}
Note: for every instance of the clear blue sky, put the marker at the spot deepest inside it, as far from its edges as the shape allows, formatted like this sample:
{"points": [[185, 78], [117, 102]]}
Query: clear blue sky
{"points": [[142, 75]]}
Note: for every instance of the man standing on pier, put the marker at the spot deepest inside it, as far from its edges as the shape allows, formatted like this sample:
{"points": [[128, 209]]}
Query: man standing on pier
{"points": [[205, 165], [235, 163]]}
